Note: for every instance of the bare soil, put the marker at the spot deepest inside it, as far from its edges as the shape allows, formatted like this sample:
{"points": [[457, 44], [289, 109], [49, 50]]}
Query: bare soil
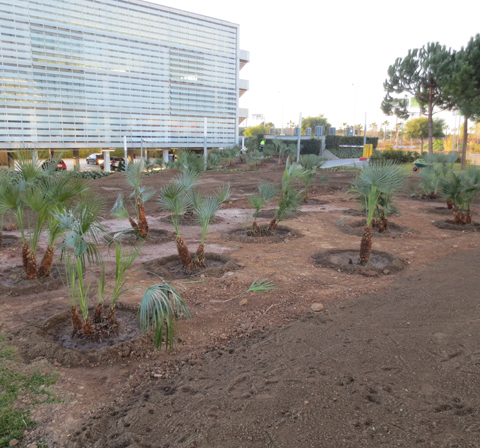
{"points": [[356, 228], [388, 360]]}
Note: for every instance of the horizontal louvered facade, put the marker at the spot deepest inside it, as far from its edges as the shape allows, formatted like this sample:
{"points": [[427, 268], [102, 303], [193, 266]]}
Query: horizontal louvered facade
{"points": [[86, 73]]}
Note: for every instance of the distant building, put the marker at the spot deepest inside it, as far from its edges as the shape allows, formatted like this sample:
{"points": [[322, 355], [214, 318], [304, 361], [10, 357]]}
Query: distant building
{"points": [[86, 73]]}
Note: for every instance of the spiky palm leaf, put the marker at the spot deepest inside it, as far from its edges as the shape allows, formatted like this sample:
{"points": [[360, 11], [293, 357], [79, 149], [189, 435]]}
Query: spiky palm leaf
{"points": [[205, 212], [160, 307], [223, 193]]}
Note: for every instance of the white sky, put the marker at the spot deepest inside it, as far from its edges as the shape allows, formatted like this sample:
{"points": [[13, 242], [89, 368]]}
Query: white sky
{"points": [[305, 55]]}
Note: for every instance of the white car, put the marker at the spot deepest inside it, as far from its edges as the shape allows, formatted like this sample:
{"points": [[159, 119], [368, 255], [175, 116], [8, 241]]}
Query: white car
{"points": [[94, 158]]}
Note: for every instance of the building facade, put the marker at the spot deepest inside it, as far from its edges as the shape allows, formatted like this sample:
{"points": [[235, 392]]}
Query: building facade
{"points": [[86, 73]]}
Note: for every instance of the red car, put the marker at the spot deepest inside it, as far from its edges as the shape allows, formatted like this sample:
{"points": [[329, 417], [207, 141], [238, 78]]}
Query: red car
{"points": [[61, 165]]}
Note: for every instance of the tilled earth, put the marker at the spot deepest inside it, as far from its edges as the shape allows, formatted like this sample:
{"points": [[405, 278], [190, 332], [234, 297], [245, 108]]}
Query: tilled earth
{"points": [[388, 359], [399, 368]]}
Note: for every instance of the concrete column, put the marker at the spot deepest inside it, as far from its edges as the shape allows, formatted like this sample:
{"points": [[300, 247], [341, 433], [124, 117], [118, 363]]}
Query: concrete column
{"points": [[76, 159], [34, 155], [11, 160], [106, 161], [130, 153], [165, 155]]}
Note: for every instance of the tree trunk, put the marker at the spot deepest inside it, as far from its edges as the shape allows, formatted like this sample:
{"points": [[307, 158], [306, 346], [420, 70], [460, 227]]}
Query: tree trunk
{"points": [[200, 255], [142, 219], [133, 224], [30, 263], [273, 225], [46, 264], [449, 204], [76, 319], [366, 245], [111, 317], [430, 121], [465, 141], [183, 253], [25, 255], [98, 314], [87, 328], [255, 228]]}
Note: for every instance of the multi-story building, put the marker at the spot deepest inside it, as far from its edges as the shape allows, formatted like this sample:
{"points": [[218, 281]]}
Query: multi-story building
{"points": [[86, 73]]}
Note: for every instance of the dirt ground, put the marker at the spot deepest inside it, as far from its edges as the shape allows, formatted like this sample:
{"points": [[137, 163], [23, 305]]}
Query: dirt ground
{"points": [[388, 359]]}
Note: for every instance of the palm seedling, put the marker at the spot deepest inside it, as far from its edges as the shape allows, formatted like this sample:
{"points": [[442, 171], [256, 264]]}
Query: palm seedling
{"points": [[32, 197], [138, 197], [257, 201], [175, 199], [161, 305], [205, 212], [375, 181], [441, 167], [159, 162], [461, 190], [189, 161], [310, 164], [290, 198], [279, 148]]}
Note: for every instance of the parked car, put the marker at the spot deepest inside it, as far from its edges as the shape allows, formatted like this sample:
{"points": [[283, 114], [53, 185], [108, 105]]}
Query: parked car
{"points": [[114, 163], [94, 159], [61, 165]]}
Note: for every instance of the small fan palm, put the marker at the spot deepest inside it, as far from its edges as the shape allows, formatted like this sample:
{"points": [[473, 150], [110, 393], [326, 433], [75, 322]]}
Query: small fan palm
{"points": [[161, 305], [375, 181], [138, 197]]}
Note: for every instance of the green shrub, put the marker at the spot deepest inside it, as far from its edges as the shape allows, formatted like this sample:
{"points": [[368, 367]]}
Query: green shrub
{"points": [[396, 155]]}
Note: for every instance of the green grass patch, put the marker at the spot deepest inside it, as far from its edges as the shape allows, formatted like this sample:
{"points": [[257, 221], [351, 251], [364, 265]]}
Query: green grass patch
{"points": [[15, 385]]}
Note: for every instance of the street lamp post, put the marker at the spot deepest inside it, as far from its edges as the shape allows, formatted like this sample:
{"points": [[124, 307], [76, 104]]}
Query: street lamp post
{"points": [[355, 107]]}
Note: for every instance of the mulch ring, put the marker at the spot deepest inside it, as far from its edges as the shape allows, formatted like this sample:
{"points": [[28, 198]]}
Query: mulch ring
{"points": [[440, 211], [450, 224], [270, 214], [348, 261], [314, 201], [171, 268], [282, 233], [13, 281], [352, 212], [155, 236], [52, 339], [189, 220], [10, 241], [356, 228]]}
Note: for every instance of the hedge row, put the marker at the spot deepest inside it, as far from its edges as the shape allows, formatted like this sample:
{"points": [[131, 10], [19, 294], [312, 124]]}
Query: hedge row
{"points": [[347, 153], [335, 141]]}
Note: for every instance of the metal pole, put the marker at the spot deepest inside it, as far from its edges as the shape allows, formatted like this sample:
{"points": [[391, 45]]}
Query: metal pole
{"points": [[125, 151], [365, 131], [141, 148], [204, 143], [299, 136]]}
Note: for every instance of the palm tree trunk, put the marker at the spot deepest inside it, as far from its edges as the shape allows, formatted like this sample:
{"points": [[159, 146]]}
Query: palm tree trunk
{"points": [[200, 255], [273, 225], [111, 317], [468, 217], [255, 228], [183, 253], [133, 224], [87, 328], [76, 319], [449, 204], [46, 264], [97, 315], [366, 245], [29, 261], [142, 219]]}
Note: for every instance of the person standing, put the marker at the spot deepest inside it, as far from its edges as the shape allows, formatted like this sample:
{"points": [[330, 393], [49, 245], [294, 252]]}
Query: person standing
{"points": [[262, 144]]}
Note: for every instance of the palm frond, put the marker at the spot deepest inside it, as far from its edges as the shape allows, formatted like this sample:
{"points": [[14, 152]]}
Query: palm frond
{"points": [[268, 191], [159, 308], [261, 285], [223, 192], [119, 210]]}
